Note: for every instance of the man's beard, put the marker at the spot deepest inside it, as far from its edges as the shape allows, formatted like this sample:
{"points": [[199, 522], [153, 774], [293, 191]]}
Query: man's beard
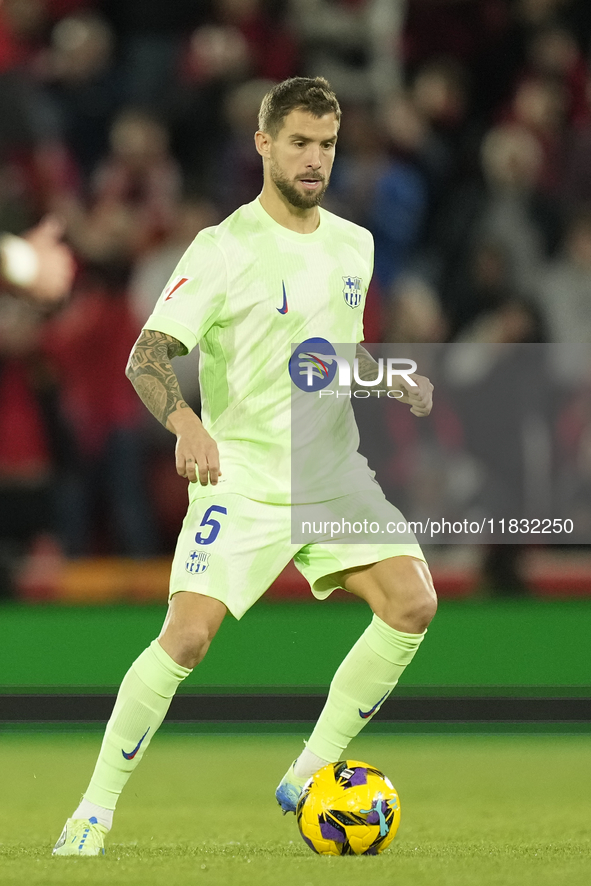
{"points": [[300, 200]]}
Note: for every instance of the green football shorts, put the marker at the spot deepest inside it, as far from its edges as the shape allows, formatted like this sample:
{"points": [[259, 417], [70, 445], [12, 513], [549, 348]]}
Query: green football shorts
{"points": [[232, 548]]}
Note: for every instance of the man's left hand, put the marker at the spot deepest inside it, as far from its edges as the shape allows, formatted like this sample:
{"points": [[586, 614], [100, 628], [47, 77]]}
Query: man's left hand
{"points": [[419, 398]]}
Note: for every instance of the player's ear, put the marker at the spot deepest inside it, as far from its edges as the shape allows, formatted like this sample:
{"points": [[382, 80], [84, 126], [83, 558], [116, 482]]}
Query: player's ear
{"points": [[262, 142]]}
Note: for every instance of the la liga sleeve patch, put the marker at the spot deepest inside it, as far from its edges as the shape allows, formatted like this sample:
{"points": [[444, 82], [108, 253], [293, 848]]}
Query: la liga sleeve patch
{"points": [[174, 286]]}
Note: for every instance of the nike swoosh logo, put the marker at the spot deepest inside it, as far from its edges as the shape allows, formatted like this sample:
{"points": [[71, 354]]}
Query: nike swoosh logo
{"points": [[366, 714], [283, 309], [136, 748]]}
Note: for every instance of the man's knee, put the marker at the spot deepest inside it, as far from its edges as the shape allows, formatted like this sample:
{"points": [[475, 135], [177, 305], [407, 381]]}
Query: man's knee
{"points": [[190, 626], [420, 607], [400, 591], [188, 643], [410, 602]]}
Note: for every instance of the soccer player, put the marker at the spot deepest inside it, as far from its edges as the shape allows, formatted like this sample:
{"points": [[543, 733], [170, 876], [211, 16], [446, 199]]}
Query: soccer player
{"points": [[269, 275]]}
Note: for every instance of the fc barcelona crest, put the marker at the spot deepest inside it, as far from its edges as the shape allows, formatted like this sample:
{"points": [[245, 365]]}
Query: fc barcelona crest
{"points": [[352, 291], [197, 562]]}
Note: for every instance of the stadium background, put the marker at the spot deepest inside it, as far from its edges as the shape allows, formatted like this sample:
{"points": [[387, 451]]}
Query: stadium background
{"points": [[465, 148]]}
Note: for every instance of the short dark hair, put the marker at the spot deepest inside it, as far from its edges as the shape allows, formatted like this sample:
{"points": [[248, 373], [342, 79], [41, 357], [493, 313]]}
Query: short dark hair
{"points": [[312, 94]]}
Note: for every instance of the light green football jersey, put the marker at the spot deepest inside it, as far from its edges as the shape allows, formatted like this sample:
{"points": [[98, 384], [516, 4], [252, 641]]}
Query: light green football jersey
{"points": [[246, 291]]}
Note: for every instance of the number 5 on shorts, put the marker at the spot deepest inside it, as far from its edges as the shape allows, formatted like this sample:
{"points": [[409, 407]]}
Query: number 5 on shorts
{"points": [[208, 520]]}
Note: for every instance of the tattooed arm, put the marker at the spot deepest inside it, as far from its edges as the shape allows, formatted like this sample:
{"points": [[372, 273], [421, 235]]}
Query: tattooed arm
{"points": [[419, 398], [367, 368], [150, 371]]}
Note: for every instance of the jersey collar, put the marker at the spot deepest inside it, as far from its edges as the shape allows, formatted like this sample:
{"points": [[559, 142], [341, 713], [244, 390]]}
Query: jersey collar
{"points": [[270, 223]]}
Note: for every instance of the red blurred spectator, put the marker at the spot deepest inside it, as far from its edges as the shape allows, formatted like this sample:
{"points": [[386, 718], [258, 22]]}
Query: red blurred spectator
{"points": [[98, 323], [89, 343], [32, 442], [553, 52], [134, 196], [540, 105], [57, 9], [25, 455], [21, 28]]}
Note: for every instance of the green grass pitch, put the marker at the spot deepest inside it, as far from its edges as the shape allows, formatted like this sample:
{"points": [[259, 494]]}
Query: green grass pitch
{"points": [[488, 810]]}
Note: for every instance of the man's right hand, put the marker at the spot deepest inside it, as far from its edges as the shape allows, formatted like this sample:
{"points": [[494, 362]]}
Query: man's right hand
{"points": [[197, 456]]}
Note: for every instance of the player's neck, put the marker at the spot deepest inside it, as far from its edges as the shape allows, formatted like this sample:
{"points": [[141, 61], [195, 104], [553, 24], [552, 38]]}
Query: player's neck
{"points": [[303, 221]]}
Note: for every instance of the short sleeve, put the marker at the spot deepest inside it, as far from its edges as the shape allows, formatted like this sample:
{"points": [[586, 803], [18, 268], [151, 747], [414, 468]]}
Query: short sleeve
{"points": [[194, 296]]}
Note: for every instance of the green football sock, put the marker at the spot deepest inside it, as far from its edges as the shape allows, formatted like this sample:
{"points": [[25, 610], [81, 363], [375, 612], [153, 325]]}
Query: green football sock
{"points": [[143, 700], [363, 681]]}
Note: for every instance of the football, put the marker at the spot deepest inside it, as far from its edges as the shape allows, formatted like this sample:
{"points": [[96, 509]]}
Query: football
{"points": [[348, 808]]}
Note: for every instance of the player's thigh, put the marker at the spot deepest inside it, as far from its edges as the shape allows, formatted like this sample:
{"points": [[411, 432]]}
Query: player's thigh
{"points": [[231, 548], [329, 566], [384, 566], [373, 530]]}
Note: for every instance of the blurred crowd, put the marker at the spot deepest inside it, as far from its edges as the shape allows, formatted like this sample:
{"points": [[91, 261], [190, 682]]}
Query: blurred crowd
{"points": [[465, 148]]}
